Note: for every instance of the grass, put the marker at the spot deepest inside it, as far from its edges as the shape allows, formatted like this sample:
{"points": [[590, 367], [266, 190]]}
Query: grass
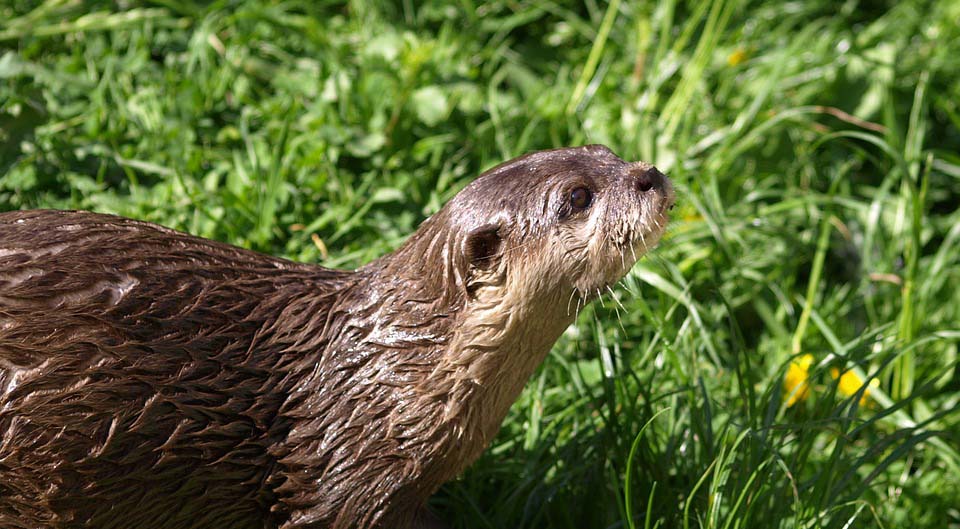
{"points": [[814, 145]]}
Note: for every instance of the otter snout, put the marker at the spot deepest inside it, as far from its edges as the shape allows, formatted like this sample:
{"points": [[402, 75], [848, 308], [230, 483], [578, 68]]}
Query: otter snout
{"points": [[648, 177]]}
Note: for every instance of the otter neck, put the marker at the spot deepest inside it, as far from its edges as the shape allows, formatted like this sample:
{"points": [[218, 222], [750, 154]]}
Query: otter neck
{"points": [[499, 343], [459, 360]]}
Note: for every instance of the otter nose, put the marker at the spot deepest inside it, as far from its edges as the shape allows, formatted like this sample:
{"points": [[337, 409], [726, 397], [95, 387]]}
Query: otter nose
{"points": [[648, 178]]}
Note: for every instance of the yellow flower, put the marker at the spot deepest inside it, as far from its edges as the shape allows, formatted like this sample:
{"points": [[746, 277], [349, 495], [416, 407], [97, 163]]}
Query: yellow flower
{"points": [[850, 383], [795, 385], [738, 56]]}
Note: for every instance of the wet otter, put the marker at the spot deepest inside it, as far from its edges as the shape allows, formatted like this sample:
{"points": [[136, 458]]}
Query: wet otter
{"points": [[153, 379]]}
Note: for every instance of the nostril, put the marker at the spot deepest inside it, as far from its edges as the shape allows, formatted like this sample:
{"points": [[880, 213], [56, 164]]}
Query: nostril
{"points": [[645, 182], [646, 177]]}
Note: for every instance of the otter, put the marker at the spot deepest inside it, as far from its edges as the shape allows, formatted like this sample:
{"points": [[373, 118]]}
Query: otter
{"points": [[153, 379]]}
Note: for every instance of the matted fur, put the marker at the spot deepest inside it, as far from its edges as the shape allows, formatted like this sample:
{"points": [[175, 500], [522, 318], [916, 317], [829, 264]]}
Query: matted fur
{"points": [[152, 379]]}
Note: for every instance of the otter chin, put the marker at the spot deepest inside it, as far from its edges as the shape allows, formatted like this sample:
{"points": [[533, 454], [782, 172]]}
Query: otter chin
{"points": [[149, 378]]}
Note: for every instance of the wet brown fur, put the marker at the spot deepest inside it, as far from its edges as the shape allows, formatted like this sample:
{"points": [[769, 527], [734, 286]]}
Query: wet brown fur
{"points": [[153, 379]]}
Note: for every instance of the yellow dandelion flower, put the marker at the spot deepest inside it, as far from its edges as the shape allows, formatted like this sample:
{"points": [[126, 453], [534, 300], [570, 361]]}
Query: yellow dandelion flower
{"points": [[795, 385], [738, 56], [850, 383]]}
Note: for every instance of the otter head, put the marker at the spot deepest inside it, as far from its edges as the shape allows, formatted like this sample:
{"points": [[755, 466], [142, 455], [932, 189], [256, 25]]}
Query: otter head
{"points": [[558, 225], [524, 245]]}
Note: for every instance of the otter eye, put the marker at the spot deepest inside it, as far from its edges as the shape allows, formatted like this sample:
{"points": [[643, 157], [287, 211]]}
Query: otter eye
{"points": [[580, 198]]}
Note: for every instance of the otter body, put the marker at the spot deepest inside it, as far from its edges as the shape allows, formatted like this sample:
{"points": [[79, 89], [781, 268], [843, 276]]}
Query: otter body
{"points": [[153, 379]]}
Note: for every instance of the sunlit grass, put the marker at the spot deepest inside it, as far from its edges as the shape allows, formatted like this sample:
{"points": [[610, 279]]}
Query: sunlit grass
{"points": [[786, 358]]}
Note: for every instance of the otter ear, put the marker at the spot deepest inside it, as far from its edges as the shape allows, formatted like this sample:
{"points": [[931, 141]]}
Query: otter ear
{"points": [[482, 247]]}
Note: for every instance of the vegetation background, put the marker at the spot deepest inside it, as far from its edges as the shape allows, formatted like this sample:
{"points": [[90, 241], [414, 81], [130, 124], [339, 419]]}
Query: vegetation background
{"points": [[814, 144]]}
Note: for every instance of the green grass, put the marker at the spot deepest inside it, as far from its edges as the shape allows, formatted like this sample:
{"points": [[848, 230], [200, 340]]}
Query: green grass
{"points": [[814, 145]]}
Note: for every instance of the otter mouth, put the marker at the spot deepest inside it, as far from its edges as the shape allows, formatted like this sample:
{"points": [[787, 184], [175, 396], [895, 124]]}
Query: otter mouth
{"points": [[642, 232], [633, 237]]}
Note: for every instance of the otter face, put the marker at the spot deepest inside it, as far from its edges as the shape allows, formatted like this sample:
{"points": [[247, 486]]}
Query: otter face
{"points": [[518, 246], [527, 239], [562, 222]]}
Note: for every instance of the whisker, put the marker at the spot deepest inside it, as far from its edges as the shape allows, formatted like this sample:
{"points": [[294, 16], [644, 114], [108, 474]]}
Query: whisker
{"points": [[614, 296], [572, 293], [617, 310], [518, 246]]}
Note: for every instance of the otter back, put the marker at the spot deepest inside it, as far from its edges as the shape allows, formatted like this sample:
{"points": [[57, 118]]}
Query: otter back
{"points": [[134, 386]]}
